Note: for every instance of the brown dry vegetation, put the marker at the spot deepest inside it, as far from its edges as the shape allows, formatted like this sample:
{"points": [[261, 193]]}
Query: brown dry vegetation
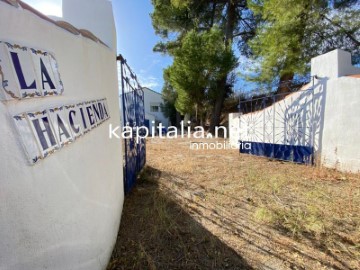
{"points": [[217, 209]]}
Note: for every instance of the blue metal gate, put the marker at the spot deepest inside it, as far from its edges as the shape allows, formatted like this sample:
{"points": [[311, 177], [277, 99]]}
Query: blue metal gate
{"points": [[133, 115]]}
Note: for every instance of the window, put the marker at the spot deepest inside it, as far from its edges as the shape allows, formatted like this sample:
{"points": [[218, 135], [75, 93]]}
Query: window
{"points": [[154, 108]]}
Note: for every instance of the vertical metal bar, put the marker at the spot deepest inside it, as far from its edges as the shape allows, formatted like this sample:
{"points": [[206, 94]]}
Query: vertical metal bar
{"points": [[273, 147], [313, 121], [134, 125], [286, 118], [124, 119], [143, 141], [240, 114], [251, 104], [263, 108]]}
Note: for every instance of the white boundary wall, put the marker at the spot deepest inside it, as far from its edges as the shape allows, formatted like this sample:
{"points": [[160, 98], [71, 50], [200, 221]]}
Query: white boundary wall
{"points": [[341, 129], [327, 118], [64, 212], [286, 122]]}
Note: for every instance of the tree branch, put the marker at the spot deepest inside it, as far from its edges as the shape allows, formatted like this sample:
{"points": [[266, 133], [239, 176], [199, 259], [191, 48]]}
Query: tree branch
{"points": [[347, 33], [243, 33]]}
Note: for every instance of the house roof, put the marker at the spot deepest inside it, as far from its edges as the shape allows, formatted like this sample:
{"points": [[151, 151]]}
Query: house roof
{"points": [[152, 90], [62, 24], [354, 76]]}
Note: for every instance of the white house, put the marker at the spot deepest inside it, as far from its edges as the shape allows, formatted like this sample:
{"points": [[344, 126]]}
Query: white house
{"points": [[154, 114]]}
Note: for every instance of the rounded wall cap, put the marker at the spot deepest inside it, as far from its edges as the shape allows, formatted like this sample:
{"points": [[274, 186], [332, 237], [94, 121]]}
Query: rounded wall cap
{"points": [[14, 3], [68, 27], [88, 34]]}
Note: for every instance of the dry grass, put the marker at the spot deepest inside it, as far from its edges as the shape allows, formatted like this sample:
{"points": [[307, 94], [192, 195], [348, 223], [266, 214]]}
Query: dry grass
{"points": [[156, 233], [259, 213]]}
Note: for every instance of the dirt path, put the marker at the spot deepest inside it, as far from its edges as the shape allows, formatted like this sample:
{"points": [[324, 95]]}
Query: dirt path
{"points": [[216, 209]]}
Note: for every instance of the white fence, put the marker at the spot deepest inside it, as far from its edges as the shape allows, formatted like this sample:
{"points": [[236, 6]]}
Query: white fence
{"points": [[322, 117]]}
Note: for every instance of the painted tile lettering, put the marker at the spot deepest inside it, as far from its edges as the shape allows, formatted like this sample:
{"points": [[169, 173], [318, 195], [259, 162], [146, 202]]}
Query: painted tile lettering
{"points": [[27, 72], [9, 88], [42, 127], [62, 129], [31, 147], [74, 119], [46, 131]]}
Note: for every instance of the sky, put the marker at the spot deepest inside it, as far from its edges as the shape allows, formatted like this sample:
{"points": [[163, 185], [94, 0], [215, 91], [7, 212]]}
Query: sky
{"points": [[48, 7], [135, 37]]}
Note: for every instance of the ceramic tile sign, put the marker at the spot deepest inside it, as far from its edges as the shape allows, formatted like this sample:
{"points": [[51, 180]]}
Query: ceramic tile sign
{"points": [[46, 131], [89, 112], [48, 80], [61, 125], [104, 109], [85, 121], [9, 88], [27, 72], [45, 135], [55, 69], [75, 119], [93, 113], [28, 140]]}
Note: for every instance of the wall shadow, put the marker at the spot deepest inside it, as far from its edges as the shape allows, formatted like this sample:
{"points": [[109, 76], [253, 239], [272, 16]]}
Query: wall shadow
{"points": [[267, 246], [309, 110], [287, 127], [156, 233]]}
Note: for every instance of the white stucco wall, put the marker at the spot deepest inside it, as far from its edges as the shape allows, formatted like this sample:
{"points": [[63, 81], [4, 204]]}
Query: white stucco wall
{"points": [[341, 143], [64, 212], [340, 147], [328, 119], [333, 64], [93, 15], [234, 124]]}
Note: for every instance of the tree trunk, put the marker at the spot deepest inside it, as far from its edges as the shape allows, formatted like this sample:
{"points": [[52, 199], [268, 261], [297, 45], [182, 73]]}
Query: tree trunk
{"points": [[285, 83], [229, 31], [215, 118], [178, 119]]}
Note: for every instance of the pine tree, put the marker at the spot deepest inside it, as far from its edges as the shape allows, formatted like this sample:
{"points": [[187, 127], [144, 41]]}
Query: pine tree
{"points": [[291, 32], [200, 62], [182, 23]]}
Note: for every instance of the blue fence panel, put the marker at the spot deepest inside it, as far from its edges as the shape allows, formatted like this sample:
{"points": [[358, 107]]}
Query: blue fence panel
{"points": [[294, 153], [132, 99]]}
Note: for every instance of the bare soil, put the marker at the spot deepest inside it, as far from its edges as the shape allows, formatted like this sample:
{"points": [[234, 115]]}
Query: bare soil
{"points": [[218, 209]]}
